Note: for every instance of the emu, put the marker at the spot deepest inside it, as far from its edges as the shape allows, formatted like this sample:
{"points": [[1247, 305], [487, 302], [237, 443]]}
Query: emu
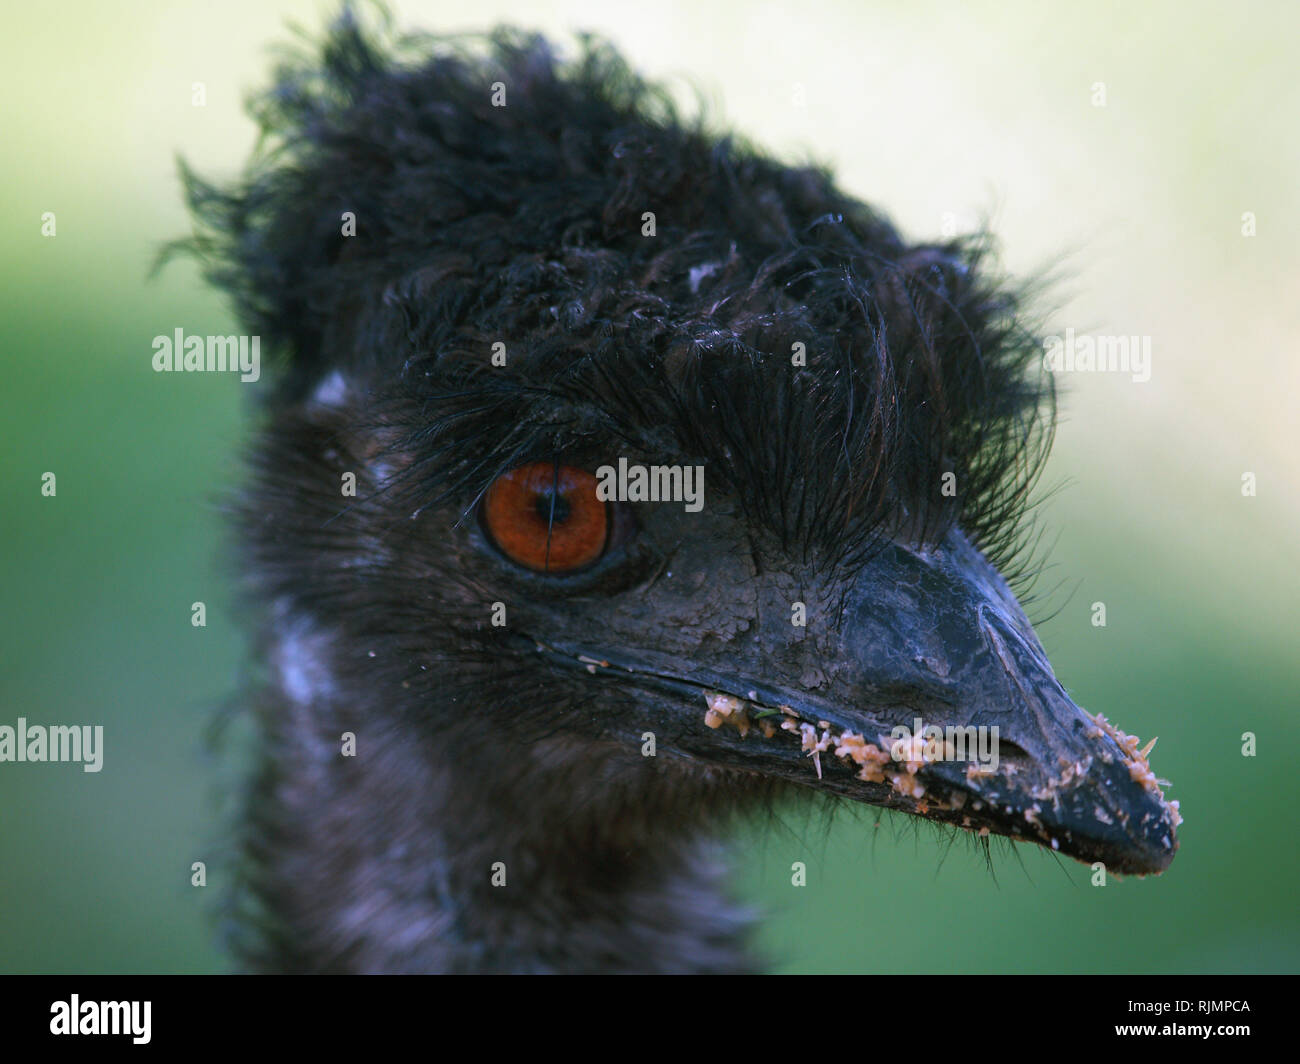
{"points": [[501, 718]]}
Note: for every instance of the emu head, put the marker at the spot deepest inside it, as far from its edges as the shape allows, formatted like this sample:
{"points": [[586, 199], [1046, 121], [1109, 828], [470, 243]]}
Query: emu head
{"points": [[503, 289]]}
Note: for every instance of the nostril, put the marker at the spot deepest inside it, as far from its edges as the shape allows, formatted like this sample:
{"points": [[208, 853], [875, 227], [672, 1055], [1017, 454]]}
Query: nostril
{"points": [[1009, 751], [1000, 756], [1011, 756]]}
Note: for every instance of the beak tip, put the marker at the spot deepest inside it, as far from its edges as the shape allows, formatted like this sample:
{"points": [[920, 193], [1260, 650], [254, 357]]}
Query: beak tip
{"points": [[1128, 830]]}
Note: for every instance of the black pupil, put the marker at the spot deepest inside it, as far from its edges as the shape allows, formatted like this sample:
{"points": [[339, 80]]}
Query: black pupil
{"points": [[544, 507]]}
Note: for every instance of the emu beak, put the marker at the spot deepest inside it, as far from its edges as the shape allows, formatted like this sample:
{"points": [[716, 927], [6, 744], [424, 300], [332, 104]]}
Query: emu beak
{"points": [[937, 636], [932, 696]]}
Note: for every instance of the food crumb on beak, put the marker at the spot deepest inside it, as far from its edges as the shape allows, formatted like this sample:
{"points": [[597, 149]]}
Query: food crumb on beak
{"points": [[867, 756], [906, 784], [1139, 768], [872, 759], [815, 745], [726, 709]]}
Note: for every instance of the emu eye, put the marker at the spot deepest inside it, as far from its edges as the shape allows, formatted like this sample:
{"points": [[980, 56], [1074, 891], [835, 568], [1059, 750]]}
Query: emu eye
{"points": [[546, 517]]}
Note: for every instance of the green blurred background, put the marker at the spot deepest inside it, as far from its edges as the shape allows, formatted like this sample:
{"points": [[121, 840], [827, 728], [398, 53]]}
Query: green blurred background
{"points": [[939, 114]]}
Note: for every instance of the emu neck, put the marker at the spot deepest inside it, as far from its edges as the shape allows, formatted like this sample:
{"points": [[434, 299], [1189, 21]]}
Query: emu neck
{"points": [[458, 856]]}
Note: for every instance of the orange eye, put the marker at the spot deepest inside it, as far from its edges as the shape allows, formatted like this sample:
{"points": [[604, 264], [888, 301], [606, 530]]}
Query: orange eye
{"points": [[547, 518]]}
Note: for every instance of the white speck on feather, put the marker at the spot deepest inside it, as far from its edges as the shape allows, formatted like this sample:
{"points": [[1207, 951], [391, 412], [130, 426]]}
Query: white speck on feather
{"points": [[698, 273], [300, 657], [332, 391]]}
